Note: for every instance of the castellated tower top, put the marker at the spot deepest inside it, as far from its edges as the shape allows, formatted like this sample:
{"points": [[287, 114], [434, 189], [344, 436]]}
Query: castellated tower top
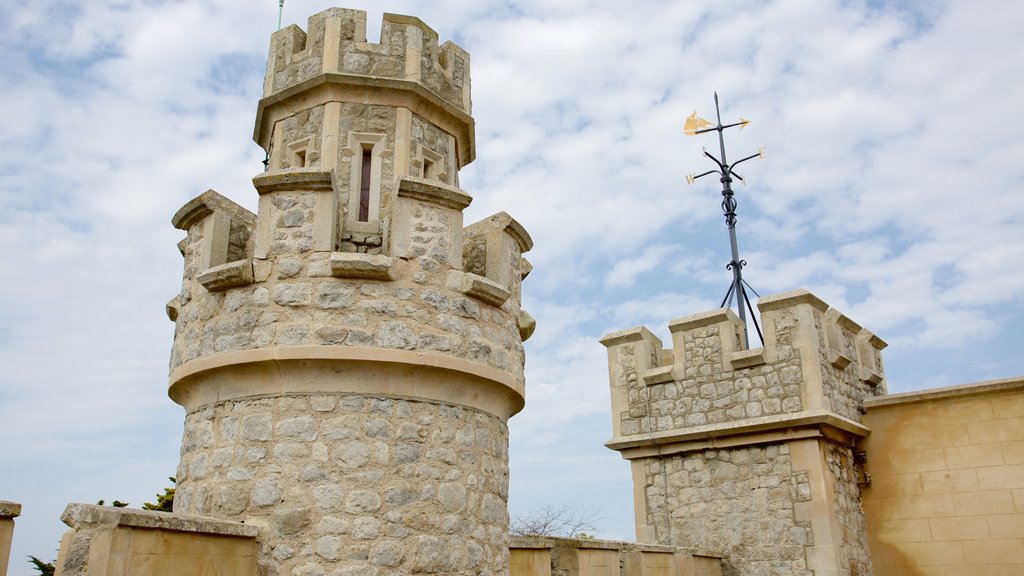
{"points": [[815, 369], [333, 61]]}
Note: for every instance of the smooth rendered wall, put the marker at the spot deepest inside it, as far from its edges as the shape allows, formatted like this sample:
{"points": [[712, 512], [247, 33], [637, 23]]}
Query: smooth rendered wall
{"points": [[947, 481]]}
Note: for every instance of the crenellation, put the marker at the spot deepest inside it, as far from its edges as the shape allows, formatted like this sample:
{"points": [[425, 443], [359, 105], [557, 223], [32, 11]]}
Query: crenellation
{"points": [[796, 371], [748, 452], [335, 43]]}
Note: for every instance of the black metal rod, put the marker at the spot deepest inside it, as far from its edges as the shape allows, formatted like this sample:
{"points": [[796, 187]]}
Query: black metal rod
{"points": [[753, 317]]}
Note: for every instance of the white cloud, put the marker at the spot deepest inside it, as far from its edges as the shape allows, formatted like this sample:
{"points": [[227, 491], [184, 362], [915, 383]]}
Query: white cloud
{"points": [[624, 273], [891, 189]]}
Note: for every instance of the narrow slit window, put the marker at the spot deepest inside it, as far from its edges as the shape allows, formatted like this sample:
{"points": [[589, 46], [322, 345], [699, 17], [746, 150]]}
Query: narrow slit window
{"points": [[428, 168], [364, 187]]}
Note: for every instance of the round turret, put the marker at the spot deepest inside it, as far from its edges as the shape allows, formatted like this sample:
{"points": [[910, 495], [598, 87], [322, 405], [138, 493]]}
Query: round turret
{"points": [[349, 357]]}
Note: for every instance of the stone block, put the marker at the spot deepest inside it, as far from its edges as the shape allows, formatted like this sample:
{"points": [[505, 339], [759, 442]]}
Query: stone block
{"points": [[365, 266], [984, 502], [478, 287], [959, 528], [994, 552]]}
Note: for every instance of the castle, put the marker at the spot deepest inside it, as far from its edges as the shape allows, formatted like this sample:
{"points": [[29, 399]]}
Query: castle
{"points": [[349, 356]]}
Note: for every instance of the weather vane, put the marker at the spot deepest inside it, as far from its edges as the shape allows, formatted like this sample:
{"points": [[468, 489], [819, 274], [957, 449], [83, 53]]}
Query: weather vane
{"points": [[695, 125]]}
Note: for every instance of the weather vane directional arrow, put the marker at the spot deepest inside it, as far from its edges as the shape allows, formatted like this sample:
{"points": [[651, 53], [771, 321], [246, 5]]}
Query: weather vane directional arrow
{"points": [[695, 125]]}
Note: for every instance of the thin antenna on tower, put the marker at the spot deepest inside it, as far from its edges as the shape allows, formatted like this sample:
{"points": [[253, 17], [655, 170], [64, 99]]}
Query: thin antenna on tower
{"points": [[280, 10], [695, 125]]}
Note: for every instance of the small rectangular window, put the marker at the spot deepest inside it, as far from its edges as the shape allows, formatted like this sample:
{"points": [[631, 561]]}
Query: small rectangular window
{"points": [[364, 187]]}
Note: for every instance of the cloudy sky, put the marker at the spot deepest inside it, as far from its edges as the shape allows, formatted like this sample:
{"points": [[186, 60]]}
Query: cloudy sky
{"points": [[892, 189]]}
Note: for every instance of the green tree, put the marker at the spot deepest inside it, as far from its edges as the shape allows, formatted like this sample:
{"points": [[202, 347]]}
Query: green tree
{"points": [[165, 501], [44, 568]]}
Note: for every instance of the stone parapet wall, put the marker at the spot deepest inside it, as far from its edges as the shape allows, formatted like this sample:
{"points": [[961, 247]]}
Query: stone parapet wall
{"points": [[106, 541], [309, 74], [558, 556], [414, 298], [335, 41], [813, 360]]}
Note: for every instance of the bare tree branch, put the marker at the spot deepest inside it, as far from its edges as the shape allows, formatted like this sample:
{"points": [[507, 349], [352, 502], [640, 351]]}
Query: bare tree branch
{"points": [[550, 521]]}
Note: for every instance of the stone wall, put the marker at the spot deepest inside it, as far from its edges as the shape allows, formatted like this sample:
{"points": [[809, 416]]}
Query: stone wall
{"points": [[947, 480], [106, 541], [846, 474], [739, 503], [361, 484], [558, 556]]}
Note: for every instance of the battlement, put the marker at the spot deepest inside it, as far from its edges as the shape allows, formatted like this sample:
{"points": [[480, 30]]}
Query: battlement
{"points": [[816, 366], [280, 279], [332, 61], [336, 43]]}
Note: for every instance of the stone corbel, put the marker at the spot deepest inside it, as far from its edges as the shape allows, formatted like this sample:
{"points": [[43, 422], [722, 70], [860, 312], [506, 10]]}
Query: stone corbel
{"points": [[526, 324], [229, 275], [478, 287]]}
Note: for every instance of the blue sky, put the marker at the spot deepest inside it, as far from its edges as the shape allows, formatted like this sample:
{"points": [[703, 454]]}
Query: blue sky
{"points": [[892, 189]]}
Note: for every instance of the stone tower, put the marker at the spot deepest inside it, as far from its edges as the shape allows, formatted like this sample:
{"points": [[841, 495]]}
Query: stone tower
{"points": [[750, 454], [348, 357]]}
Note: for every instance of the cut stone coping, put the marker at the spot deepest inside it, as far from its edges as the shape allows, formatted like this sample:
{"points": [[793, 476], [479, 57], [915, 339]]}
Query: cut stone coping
{"points": [[629, 335], [946, 393], [317, 369], [543, 542], [790, 299], [844, 321], [9, 509], [873, 339], [740, 432], [306, 179], [478, 287], [361, 265], [433, 192], [747, 358], [82, 515], [659, 375], [702, 319], [230, 275], [205, 204], [503, 221]]}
